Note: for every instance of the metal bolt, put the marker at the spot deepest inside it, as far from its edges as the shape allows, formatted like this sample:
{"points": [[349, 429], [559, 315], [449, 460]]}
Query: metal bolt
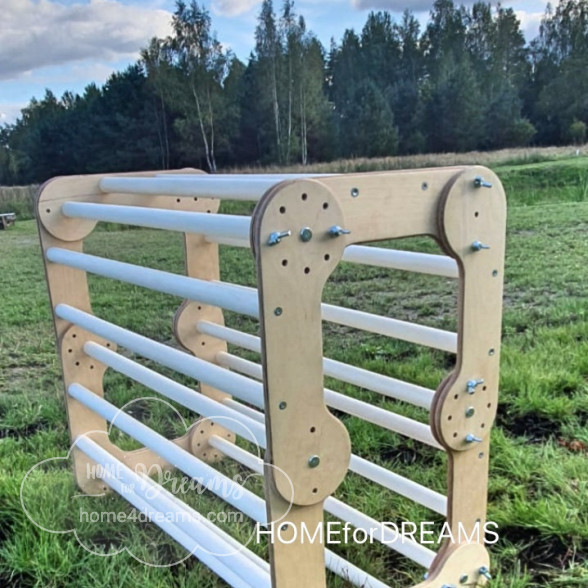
{"points": [[354, 192], [337, 231], [282, 405], [472, 439], [276, 237], [463, 578], [478, 245], [278, 311], [424, 186], [480, 182], [313, 461], [484, 571], [494, 273], [471, 385], [470, 412], [306, 234]]}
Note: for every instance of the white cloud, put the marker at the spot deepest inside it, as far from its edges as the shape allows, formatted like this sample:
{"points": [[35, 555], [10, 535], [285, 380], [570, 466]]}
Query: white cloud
{"points": [[393, 5], [40, 33], [233, 7], [530, 22], [10, 111]]}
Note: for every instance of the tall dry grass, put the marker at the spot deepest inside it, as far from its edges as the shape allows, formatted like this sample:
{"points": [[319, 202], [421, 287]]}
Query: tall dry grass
{"points": [[18, 199], [513, 156]]}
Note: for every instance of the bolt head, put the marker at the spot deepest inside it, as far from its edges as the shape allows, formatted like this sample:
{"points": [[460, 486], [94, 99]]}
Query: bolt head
{"points": [[282, 405], [278, 311], [463, 578], [354, 192], [306, 234], [470, 412], [314, 461]]}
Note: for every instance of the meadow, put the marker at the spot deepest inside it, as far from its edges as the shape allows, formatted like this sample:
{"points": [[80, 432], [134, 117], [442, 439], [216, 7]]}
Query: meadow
{"points": [[538, 493]]}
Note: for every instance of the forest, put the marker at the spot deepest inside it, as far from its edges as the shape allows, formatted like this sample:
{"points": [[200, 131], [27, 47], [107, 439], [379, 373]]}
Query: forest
{"points": [[467, 80]]}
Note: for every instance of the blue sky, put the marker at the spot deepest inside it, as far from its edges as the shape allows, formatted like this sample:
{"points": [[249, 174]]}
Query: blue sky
{"points": [[67, 44]]}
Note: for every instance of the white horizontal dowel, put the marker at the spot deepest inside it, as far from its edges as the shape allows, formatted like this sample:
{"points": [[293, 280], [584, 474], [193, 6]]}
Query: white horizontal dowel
{"points": [[204, 371], [210, 478], [205, 541], [407, 547], [229, 418], [226, 296], [372, 414], [389, 327], [223, 225], [399, 484], [196, 186], [385, 385], [210, 177], [244, 299], [396, 259], [424, 263]]}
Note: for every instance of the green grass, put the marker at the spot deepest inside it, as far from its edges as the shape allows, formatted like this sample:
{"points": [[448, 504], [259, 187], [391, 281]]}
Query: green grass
{"points": [[538, 491]]}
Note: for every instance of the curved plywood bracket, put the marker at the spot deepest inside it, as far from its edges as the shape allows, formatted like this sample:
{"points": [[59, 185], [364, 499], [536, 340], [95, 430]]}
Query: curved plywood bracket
{"points": [[459, 565], [54, 193], [304, 439], [472, 225]]}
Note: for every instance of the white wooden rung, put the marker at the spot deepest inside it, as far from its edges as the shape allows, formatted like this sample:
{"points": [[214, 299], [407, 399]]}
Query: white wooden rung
{"points": [[222, 225], [183, 524], [226, 296], [197, 186], [244, 299], [229, 490], [385, 385], [182, 362], [410, 548], [223, 412], [372, 414]]}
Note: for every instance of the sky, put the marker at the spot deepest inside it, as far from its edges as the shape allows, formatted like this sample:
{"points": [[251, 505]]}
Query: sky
{"points": [[67, 44]]}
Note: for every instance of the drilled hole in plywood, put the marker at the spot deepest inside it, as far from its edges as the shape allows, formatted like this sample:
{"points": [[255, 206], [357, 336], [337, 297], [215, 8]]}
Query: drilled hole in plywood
{"points": [[211, 424], [484, 388], [48, 210], [108, 345], [178, 199], [202, 432], [229, 435], [456, 397], [304, 196], [314, 490], [483, 425], [489, 405], [70, 350], [449, 418], [454, 435], [284, 262], [215, 456], [327, 257], [91, 366], [282, 209], [200, 308], [77, 363], [74, 335], [306, 270], [203, 343], [325, 205], [195, 198], [204, 455], [312, 429], [476, 214], [197, 444]]}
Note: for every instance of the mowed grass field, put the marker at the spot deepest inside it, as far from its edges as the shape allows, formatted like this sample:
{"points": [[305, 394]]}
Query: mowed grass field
{"points": [[538, 493]]}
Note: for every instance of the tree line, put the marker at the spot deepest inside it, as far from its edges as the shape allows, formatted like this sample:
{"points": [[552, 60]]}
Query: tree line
{"points": [[467, 80]]}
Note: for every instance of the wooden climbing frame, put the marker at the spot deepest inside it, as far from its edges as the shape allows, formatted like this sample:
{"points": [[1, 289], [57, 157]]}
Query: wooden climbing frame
{"points": [[302, 227]]}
